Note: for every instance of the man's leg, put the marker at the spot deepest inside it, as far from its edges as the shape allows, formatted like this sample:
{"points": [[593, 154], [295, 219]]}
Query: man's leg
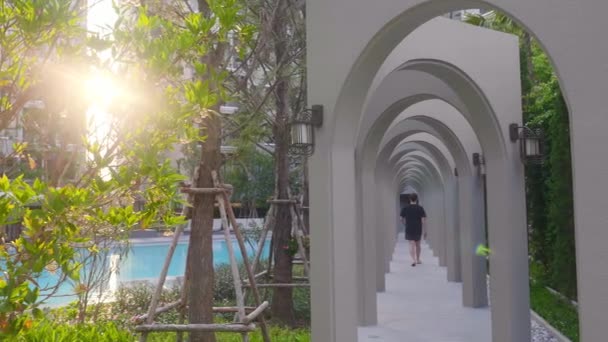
{"points": [[413, 251], [418, 250]]}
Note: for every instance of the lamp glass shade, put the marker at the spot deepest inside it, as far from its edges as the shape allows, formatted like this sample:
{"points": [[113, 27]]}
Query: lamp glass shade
{"points": [[301, 134], [532, 147]]}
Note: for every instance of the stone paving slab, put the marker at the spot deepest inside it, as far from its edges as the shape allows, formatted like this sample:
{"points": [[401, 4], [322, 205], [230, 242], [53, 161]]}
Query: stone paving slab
{"points": [[420, 305]]}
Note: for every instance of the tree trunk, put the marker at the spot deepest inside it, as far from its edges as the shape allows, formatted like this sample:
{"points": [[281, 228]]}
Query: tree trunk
{"points": [[282, 303], [200, 253]]}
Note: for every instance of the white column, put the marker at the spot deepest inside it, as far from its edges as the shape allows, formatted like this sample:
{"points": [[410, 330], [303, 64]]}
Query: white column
{"points": [[441, 227], [509, 283], [474, 292], [370, 236], [452, 231], [334, 271]]}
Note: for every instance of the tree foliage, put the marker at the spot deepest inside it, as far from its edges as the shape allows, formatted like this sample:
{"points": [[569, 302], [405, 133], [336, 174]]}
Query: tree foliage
{"points": [[252, 177], [44, 51]]}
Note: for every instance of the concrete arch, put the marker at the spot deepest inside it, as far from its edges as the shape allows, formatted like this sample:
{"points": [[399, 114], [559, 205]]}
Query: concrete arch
{"points": [[447, 238], [471, 270], [423, 157], [414, 184], [369, 245], [430, 145], [436, 150], [425, 79], [413, 172], [422, 149], [407, 187], [474, 294], [421, 167], [366, 32], [450, 84], [416, 168], [456, 216], [404, 107], [417, 123], [455, 132], [341, 135], [428, 164]]}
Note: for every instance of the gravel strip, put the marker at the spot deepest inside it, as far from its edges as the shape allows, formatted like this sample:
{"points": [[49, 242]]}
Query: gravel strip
{"points": [[540, 334]]}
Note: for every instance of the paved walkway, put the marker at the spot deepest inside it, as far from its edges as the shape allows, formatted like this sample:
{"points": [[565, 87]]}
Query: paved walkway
{"points": [[419, 305]]}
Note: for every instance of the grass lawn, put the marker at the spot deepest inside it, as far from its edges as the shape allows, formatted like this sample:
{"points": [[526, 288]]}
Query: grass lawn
{"points": [[556, 310]]}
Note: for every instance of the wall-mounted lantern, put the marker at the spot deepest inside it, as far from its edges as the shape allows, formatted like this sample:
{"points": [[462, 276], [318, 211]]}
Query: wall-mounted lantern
{"points": [[480, 163], [229, 108], [303, 133], [531, 143]]}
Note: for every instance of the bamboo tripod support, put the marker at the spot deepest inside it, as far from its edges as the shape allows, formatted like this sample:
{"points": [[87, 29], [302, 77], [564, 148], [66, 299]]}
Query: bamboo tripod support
{"points": [[298, 231], [245, 315]]}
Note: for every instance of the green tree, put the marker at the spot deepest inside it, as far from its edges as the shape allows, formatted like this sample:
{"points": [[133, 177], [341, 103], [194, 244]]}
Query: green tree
{"points": [[155, 109], [252, 177], [184, 49], [272, 89]]}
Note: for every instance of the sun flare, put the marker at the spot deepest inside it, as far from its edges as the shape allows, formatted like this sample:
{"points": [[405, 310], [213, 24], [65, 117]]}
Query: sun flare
{"points": [[102, 93], [101, 90]]}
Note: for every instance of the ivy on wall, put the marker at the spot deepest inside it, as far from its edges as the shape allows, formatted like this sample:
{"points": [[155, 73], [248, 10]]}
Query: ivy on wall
{"points": [[549, 186], [549, 195]]}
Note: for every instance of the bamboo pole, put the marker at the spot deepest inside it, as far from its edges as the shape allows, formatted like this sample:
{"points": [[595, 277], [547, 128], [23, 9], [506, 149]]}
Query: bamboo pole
{"points": [[294, 278], [199, 191], [298, 209], [261, 244], [161, 281], [176, 304], [282, 201], [255, 313], [187, 211], [242, 328], [261, 274], [184, 298], [240, 301], [250, 272], [168, 307], [298, 233], [271, 254], [280, 285], [228, 309]]}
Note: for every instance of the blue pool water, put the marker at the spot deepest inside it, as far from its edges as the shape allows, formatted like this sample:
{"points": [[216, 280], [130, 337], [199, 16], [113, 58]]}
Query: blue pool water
{"points": [[144, 262]]}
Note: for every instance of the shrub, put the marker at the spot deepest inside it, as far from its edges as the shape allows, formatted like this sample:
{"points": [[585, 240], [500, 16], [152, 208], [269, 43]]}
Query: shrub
{"points": [[45, 331], [135, 300], [301, 305], [224, 284]]}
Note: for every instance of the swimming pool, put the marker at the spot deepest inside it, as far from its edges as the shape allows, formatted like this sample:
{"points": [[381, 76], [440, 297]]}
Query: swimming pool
{"points": [[144, 261]]}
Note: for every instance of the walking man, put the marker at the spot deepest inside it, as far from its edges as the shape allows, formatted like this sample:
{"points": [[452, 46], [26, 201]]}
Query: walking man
{"points": [[414, 217]]}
